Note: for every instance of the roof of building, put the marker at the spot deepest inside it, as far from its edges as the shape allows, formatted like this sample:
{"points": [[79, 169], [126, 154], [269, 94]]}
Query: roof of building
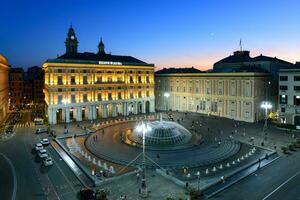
{"points": [[89, 57], [173, 70], [3, 60], [244, 56]]}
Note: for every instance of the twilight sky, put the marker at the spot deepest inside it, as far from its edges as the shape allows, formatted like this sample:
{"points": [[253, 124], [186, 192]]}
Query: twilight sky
{"points": [[179, 33]]}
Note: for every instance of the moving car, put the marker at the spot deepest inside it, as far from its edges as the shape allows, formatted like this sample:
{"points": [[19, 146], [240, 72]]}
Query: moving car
{"points": [[47, 161], [43, 153], [45, 141], [41, 130], [38, 121], [38, 146]]}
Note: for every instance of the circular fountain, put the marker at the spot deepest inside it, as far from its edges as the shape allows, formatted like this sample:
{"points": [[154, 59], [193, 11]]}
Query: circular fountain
{"points": [[161, 133]]}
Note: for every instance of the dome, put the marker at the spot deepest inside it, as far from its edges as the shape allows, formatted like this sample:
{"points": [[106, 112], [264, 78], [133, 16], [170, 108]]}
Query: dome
{"points": [[3, 60], [162, 133]]}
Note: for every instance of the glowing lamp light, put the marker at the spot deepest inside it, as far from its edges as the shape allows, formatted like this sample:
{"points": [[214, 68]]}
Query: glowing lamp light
{"points": [[166, 94], [266, 105]]}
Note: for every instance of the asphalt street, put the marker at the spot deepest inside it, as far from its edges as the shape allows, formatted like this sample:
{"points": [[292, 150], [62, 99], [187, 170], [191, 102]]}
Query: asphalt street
{"points": [[33, 180], [276, 181]]}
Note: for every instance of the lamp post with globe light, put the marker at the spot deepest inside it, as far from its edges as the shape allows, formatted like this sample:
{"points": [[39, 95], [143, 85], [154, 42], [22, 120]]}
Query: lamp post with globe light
{"points": [[167, 95], [266, 105], [198, 185], [65, 102], [144, 128]]}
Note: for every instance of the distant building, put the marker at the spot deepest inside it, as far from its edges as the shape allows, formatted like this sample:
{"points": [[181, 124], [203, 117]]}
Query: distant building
{"points": [[236, 95], [4, 98], [35, 77], [81, 86], [26, 87], [241, 61], [289, 96], [16, 87]]}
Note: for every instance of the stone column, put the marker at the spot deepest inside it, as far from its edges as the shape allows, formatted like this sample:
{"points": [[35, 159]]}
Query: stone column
{"points": [[67, 111], [114, 110], [135, 107], [104, 111], [90, 112], [125, 109], [54, 113], [78, 113], [144, 107], [152, 106], [94, 112]]}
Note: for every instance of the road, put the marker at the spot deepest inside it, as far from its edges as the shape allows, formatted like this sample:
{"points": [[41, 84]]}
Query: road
{"points": [[280, 180], [32, 180]]}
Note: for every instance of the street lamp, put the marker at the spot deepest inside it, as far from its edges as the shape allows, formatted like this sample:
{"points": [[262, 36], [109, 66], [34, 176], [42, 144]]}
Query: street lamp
{"points": [[266, 105], [65, 102], [167, 95], [198, 175], [144, 128]]}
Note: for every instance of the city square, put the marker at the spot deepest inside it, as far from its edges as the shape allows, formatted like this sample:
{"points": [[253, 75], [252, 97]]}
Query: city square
{"points": [[160, 100]]}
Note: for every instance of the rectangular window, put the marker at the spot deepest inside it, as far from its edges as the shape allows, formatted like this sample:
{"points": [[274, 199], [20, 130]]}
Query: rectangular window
{"points": [[73, 98], [99, 79], [147, 93], [99, 97], [283, 99], [282, 110], [283, 87], [119, 95], [283, 78], [72, 71], [59, 71], [59, 99], [59, 80], [59, 90], [296, 78], [140, 79], [131, 96], [85, 80], [109, 79], [147, 79], [140, 94], [297, 100], [297, 88], [109, 96], [85, 99], [73, 80]]}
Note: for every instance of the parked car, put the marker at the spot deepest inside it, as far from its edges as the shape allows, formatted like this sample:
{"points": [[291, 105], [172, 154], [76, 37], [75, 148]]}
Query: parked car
{"points": [[47, 161], [41, 130], [87, 194], [43, 153], [38, 146], [45, 142]]}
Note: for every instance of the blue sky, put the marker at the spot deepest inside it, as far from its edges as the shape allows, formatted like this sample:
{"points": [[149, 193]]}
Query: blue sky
{"points": [[180, 33]]}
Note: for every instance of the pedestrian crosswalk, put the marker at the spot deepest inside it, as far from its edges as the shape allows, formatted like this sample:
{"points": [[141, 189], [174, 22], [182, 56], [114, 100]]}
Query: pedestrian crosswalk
{"points": [[25, 124]]}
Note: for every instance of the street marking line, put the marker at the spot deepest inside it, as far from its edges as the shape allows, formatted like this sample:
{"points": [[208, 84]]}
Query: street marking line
{"points": [[14, 194], [280, 186]]}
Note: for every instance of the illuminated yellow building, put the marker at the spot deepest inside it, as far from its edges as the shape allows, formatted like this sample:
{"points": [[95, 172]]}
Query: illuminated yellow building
{"points": [[4, 70], [88, 86]]}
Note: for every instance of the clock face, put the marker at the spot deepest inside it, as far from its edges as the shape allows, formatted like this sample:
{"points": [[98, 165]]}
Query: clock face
{"points": [[72, 37]]}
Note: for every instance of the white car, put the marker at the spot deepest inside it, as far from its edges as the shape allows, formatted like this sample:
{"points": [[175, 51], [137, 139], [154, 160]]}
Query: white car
{"points": [[45, 141], [47, 161], [38, 146], [43, 153], [41, 130]]}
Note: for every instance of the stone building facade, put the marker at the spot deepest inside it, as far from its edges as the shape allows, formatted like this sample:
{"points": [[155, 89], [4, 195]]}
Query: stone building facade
{"points": [[88, 86], [289, 97], [4, 98], [232, 95]]}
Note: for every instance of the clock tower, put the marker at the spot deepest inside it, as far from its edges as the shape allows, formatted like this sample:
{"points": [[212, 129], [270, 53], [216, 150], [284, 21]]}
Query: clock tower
{"points": [[71, 42]]}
